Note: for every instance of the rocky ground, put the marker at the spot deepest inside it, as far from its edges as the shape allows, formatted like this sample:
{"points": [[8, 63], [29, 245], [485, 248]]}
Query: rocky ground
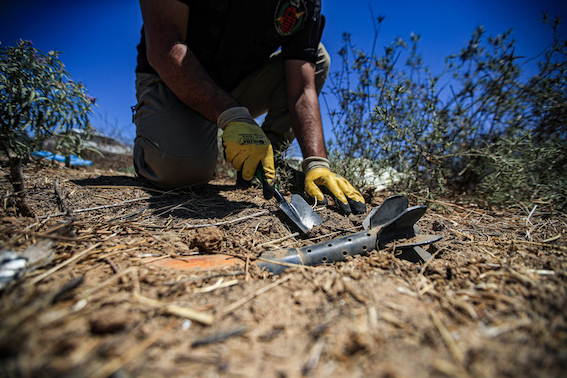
{"points": [[115, 288]]}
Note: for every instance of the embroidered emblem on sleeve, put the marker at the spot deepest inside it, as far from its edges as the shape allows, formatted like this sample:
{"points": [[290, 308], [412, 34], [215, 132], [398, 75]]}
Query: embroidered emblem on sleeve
{"points": [[290, 16]]}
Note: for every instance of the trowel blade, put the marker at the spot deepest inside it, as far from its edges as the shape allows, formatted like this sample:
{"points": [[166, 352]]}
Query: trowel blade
{"points": [[305, 212], [299, 212]]}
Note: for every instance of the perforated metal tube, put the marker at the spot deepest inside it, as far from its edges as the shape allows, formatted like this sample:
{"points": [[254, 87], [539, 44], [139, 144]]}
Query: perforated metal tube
{"points": [[322, 253]]}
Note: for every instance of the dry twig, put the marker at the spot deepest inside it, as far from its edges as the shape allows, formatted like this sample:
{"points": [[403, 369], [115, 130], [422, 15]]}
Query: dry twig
{"points": [[447, 338], [183, 312], [248, 298], [191, 226]]}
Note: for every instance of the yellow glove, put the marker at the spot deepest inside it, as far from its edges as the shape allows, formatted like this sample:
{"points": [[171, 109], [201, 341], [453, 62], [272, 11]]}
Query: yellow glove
{"points": [[319, 179], [245, 144]]}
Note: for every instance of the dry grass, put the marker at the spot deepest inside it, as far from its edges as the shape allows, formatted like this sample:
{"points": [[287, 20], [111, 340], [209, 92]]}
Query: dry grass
{"points": [[491, 303]]}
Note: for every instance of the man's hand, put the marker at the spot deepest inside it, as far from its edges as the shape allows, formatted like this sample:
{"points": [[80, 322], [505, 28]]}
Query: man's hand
{"points": [[245, 144], [319, 179]]}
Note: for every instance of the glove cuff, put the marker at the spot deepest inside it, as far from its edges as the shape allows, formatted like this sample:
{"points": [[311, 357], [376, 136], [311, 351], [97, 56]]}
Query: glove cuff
{"points": [[236, 114], [313, 162]]}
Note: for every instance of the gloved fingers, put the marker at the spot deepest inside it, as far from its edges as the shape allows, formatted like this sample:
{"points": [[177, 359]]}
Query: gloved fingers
{"points": [[237, 163], [354, 198], [269, 166], [269, 177], [357, 207], [348, 189], [249, 167], [317, 179], [344, 207], [321, 180], [229, 153], [324, 202], [246, 144], [334, 187], [313, 190]]}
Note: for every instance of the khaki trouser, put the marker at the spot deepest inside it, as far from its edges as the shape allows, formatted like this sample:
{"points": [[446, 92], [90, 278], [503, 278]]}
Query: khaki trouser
{"points": [[176, 147]]}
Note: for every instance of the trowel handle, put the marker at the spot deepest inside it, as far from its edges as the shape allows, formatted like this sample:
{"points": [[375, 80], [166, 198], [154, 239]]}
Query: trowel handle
{"points": [[267, 189]]}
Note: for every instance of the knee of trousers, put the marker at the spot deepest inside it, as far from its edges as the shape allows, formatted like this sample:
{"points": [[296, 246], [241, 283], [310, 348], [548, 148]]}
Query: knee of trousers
{"points": [[322, 67], [168, 171]]}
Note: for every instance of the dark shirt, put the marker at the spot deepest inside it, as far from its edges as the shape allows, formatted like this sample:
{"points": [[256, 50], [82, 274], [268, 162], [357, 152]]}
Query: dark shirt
{"points": [[231, 38]]}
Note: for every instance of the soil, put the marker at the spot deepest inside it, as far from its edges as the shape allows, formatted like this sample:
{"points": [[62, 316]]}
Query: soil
{"points": [[137, 282]]}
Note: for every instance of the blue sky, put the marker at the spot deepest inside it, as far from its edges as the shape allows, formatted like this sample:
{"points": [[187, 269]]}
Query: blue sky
{"points": [[99, 39]]}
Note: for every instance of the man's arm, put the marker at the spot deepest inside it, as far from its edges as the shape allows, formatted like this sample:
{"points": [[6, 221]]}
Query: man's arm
{"points": [[165, 25], [303, 104], [308, 128]]}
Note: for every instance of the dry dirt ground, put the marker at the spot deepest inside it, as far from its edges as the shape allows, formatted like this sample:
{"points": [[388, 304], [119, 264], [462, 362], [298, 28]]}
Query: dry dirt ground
{"points": [[113, 297]]}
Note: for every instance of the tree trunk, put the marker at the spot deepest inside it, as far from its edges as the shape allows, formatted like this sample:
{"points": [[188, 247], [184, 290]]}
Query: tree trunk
{"points": [[17, 178]]}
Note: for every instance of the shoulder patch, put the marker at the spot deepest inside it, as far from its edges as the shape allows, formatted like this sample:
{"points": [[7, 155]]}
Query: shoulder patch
{"points": [[290, 16]]}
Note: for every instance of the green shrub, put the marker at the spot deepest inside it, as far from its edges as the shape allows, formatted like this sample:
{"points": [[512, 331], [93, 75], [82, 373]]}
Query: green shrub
{"points": [[37, 100], [478, 126]]}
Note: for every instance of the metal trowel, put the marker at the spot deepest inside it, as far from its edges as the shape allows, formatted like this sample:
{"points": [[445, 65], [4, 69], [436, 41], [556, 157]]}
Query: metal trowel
{"points": [[298, 211]]}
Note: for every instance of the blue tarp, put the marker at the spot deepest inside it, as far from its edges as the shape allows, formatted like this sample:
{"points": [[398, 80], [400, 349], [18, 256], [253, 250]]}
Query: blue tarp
{"points": [[75, 160]]}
